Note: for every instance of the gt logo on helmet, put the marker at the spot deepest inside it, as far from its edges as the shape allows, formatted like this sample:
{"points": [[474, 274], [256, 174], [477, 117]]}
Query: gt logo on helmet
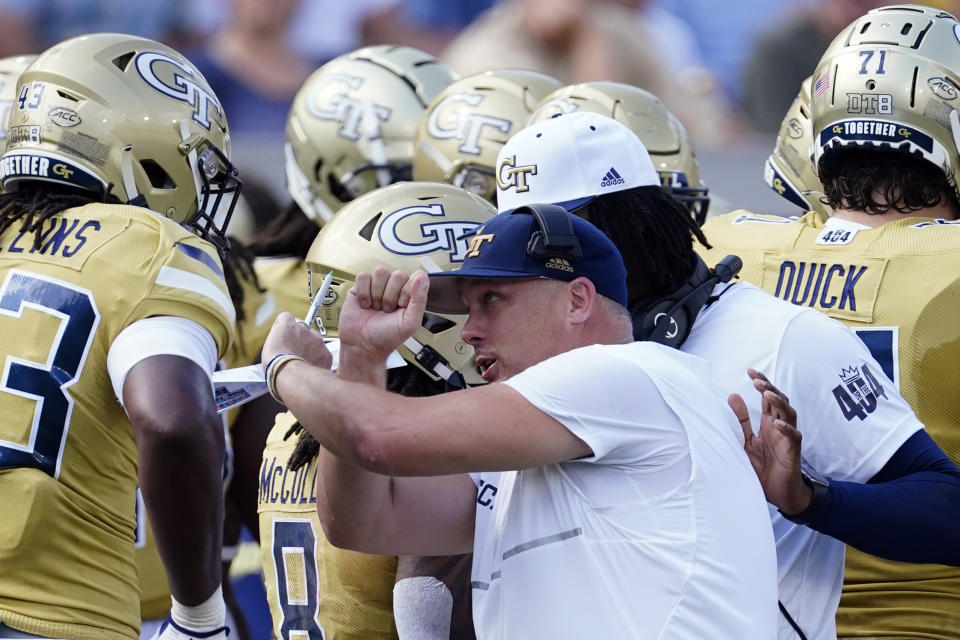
{"points": [[343, 108], [426, 236], [553, 108], [466, 127], [185, 89]]}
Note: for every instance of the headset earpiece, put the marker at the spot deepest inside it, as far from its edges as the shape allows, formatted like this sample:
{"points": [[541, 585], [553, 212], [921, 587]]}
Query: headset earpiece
{"points": [[555, 237], [668, 319]]}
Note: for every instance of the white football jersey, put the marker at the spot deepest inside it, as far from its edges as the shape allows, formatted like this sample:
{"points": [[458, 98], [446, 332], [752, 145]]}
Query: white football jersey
{"points": [[851, 416], [661, 533]]}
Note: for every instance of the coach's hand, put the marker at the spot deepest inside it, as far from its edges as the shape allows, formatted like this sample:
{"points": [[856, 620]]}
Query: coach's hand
{"points": [[289, 335], [774, 451], [382, 310]]}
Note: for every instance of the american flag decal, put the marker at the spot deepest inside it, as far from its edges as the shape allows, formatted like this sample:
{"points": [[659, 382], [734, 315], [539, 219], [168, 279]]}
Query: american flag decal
{"points": [[823, 83]]}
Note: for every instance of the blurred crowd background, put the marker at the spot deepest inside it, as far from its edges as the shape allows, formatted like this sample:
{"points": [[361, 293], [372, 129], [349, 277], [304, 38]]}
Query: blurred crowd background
{"points": [[728, 70]]}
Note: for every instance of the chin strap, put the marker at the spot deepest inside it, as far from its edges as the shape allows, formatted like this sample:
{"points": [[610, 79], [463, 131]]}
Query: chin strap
{"points": [[430, 360], [300, 190], [129, 183], [955, 132], [378, 151]]}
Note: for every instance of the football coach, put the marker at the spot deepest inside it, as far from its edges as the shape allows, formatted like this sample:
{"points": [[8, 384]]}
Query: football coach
{"points": [[599, 482]]}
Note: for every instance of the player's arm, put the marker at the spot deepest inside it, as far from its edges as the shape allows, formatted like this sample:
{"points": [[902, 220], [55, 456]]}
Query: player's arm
{"points": [[889, 482], [249, 435], [908, 512], [161, 370]]}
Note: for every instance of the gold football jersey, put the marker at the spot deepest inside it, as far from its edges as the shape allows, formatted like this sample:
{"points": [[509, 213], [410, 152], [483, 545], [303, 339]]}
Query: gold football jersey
{"points": [[68, 466], [154, 588], [312, 587], [898, 287], [286, 280], [260, 309]]}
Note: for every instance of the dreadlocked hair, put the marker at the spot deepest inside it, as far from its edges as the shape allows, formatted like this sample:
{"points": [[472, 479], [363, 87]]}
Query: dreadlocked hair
{"points": [[654, 234], [36, 203], [239, 266], [408, 381], [877, 181], [290, 234]]}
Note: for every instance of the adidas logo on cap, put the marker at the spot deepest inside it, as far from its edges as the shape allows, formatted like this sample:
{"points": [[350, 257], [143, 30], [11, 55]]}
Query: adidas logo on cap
{"points": [[559, 263], [612, 178]]}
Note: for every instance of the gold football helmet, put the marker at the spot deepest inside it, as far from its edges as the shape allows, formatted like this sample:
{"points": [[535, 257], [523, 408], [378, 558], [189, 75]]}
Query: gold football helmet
{"points": [[351, 126], [660, 131], [406, 226], [789, 169], [128, 117], [10, 69], [465, 127], [891, 81]]}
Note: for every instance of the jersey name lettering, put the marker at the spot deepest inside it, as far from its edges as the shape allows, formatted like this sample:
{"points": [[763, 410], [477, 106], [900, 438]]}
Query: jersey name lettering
{"points": [[278, 484], [840, 289]]}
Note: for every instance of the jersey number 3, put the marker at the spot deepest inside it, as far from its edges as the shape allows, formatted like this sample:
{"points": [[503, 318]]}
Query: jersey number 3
{"points": [[46, 383]]}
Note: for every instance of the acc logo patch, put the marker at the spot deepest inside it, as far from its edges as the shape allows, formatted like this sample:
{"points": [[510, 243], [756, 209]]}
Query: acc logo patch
{"points": [[420, 229], [64, 117], [794, 128], [452, 120], [331, 100], [176, 80], [943, 88]]}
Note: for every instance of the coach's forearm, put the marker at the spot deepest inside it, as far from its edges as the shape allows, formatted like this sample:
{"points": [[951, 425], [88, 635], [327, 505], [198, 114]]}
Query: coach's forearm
{"points": [[351, 501]]}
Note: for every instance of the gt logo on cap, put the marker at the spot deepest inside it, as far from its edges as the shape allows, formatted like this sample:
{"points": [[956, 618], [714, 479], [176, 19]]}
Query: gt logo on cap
{"points": [[514, 176], [476, 242]]}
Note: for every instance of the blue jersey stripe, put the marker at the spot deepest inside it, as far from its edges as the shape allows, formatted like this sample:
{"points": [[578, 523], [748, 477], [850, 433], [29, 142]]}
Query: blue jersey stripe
{"points": [[199, 254]]}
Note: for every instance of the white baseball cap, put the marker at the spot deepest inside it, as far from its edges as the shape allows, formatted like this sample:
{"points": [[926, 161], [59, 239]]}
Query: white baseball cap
{"points": [[569, 160]]}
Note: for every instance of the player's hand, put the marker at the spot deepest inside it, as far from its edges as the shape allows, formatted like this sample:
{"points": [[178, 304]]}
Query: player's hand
{"points": [[381, 311], [774, 451], [288, 335], [172, 631]]}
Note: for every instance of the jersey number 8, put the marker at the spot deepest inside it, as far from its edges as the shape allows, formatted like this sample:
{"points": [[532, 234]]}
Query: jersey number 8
{"points": [[295, 560]]}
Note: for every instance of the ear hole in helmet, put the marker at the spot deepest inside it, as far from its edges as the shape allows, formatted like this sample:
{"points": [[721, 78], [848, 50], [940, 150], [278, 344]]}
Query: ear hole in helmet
{"points": [[338, 189], [122, 62], [436, 324], [159, 179], [367, 232]]}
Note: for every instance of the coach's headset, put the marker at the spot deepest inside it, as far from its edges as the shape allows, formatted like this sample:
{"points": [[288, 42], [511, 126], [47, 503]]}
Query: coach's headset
{"points": [[668, 319], [664, 319]]}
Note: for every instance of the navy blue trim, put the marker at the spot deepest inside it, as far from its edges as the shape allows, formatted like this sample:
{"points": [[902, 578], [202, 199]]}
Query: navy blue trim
{"points": [[201, 255]]}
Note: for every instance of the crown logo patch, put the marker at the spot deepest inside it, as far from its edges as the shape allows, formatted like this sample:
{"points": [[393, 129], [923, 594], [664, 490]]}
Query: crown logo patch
{"points": [[848, 375]]}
